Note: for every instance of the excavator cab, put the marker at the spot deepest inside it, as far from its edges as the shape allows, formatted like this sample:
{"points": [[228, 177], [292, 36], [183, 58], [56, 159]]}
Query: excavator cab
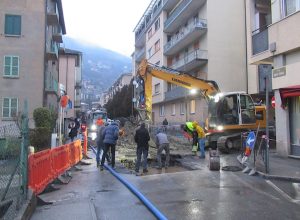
{"points": [[230, 111]]}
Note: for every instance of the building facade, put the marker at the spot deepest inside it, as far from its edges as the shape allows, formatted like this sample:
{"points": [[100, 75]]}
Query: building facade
{"points": [[273, 32], [70, 76], [123, 80], [206, 39], [31, 32]]}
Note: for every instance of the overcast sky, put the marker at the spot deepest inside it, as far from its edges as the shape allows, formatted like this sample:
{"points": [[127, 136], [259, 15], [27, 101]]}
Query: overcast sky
{"points": [[107, 23]]}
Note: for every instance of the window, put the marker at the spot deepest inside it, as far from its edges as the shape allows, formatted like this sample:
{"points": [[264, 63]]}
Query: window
{"points": [[11, 66], [9, 107], [173, 109], [162, 110], [247, 109], [150, 52], [12, 25], [157, 46], [157, 88], [182, 108], [150, 33], [291, 6], [157, 24], [193, 106]]}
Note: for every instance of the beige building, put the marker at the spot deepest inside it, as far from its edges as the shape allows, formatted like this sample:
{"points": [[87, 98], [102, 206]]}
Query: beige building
{"points": [[70, 76], [206, 39], [273, 32], [124, 79], [31, 32]]}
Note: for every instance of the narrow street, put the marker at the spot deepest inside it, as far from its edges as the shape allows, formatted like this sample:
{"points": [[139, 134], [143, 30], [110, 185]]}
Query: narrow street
{"points": [[196, 194]]}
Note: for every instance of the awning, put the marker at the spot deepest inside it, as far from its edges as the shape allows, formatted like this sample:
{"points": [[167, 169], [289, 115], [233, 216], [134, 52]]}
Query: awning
{"points": [[287, 92]]}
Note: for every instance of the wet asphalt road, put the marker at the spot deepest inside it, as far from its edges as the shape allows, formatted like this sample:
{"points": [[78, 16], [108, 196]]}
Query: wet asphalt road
{"points": [[195, 194]]}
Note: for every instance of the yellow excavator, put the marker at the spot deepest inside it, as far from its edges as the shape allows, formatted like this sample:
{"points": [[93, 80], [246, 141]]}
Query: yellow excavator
{"points": [[229, 114]]}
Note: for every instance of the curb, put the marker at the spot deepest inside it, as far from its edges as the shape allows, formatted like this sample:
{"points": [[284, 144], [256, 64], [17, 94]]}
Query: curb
{"points": [[28, 207], [276, 177]]}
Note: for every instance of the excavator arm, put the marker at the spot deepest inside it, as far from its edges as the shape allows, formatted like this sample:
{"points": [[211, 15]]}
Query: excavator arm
{"points": [[146, 71]]}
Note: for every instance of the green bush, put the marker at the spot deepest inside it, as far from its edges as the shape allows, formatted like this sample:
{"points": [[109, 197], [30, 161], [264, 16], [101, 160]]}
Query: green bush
{"points": [[10, 147], [42, 117], [40, 138]]}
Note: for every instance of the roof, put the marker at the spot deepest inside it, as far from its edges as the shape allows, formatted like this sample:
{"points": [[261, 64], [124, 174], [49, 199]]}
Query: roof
{"points": [[61, 17]]}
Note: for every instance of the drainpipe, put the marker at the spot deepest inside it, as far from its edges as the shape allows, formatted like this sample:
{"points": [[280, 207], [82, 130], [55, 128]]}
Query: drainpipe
{"points": [[245, 9], [44, 70]]}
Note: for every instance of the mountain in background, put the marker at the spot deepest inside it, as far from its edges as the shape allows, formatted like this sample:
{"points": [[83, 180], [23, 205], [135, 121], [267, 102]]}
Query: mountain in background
{"points": [[101, 66]]}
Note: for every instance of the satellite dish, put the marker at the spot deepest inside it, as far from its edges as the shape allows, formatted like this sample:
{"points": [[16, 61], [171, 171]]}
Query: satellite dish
{"points": [[134, 100]]}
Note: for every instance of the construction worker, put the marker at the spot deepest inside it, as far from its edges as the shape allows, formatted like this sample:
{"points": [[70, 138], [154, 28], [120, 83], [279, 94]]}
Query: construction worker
{"points": [[162, 143], [188, 128], [99, 122], [201, 138]]}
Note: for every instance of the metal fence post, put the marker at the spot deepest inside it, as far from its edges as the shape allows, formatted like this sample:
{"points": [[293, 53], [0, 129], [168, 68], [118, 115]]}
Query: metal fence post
{"points": [[24, 148]]}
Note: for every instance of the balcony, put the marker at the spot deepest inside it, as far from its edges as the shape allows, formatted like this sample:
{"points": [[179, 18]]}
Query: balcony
{"points": [[181, 14], [168, 5], [192, 60], [260, 40], [51, 86], [52, 51], [57, 37], [140, 55], [52, 15], [186, 37], [176, 93]]}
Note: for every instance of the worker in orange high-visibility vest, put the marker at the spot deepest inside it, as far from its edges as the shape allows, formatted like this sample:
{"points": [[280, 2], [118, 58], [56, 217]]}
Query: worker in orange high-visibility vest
{"points": [[99, 122]]}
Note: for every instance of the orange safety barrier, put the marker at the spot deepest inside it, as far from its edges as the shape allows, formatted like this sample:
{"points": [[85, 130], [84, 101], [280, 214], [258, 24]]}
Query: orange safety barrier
{"points": [[85, 140], [47, 165], [40, 172], [72, 150], [60, 159], [78, 151]]}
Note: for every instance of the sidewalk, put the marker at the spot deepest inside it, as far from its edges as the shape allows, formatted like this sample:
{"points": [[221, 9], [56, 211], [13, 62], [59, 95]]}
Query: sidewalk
{"points": [[282, 168]]}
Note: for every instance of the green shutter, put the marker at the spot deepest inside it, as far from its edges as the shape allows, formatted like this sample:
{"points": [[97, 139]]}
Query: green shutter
{"points": [[12, 25]]}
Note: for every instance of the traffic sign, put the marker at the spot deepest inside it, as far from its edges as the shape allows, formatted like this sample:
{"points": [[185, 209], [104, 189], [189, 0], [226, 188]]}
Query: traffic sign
{"points": [[250, 140], [273, 101]]}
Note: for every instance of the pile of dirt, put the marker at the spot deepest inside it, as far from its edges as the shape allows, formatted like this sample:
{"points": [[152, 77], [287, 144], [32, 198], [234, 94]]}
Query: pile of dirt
{"points": [[126, 147]]}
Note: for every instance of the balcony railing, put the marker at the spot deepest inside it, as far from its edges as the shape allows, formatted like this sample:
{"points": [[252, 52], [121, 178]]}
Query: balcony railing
{"points": [[176, 93], [140, 55], [260, 40], [190, 57], [52, 51], [177, 11], [201, 24], [51, 86], [147, 20], [52, 15]]}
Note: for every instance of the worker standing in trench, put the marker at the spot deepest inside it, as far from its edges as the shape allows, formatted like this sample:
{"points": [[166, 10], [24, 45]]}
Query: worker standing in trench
{"points": [[141, 138]]}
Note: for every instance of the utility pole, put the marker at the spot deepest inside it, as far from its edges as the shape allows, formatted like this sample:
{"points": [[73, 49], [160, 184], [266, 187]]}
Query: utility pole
{"points": [[267, 123]]}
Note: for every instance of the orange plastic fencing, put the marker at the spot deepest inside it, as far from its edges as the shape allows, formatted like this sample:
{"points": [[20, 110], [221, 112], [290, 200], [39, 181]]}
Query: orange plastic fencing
{"points": [[47, 165], [72, 155], [39, 170], [60, 159], [85, 140]]}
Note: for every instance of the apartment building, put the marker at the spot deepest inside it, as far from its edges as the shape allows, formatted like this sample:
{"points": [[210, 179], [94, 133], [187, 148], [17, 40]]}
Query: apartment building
{"points": [[206, 39], [70, 76], [30, 34], [123, 80], [273, 32]]}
